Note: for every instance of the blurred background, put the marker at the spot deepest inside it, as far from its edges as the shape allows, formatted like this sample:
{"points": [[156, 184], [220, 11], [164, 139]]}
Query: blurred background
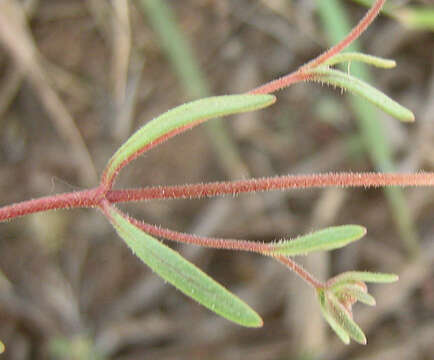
{"points": [[78, 77]]}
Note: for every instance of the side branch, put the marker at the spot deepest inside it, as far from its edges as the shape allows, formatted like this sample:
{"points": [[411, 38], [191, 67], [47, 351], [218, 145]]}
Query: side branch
{"points": [[197, 191], [300, 271], [302, 74], [108, 178], [216, 243], [358, 30], [227, 244]]}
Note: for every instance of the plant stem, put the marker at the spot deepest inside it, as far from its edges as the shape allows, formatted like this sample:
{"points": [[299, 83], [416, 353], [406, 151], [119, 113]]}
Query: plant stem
{"points": [[78, 199], [215, 243], [93, 197], [355, 33], [300, 271], [271, 183], [301, 75]]}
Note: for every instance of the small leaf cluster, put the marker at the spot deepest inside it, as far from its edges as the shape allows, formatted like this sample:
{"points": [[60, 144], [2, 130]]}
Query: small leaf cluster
{"points": [[341, 293]]}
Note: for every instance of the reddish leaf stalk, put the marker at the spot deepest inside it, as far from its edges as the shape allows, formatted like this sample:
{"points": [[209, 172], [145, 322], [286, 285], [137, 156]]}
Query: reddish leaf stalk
{"points": [[108, 182], [223, 244], [216, 243], [300, 271], [302, 73]]}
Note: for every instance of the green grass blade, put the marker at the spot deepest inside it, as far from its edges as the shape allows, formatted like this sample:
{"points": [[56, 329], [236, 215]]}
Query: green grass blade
{"points": [[177, 48], [386, 10], [360, 57], [414, 17], [417, 18], [361, 88], [326, 239], [184, 116], [182, 274]]}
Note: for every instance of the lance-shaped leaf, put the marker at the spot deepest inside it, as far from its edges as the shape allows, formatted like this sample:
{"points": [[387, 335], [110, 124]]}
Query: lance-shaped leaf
{"points": [[177, 120], [182, 274], [326, 239], [361, 276], [340, 332], [347, 82], [360, 57], [343, 317]]}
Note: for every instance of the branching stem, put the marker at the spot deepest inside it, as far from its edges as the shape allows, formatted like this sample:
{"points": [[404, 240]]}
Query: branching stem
{"points": [[227, 244], [302, 74], [104, 196]]}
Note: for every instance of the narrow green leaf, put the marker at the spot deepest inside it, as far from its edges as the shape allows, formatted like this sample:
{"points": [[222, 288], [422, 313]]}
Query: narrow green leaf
{"points": [[326, 239], [179, 118], [420, 18], [364, 276], [359, 87], [343, 318], [340, 332], [360, 57], [353, 290], [182, 274]]}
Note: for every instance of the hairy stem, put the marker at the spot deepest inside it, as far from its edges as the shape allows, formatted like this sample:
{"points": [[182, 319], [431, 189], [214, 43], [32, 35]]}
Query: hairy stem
{"points": [[301, 73], [107, 181], [271, 183], [215, 243], [282, 82], [78, 199], [93, 197], [300, 271], [358, 30]]}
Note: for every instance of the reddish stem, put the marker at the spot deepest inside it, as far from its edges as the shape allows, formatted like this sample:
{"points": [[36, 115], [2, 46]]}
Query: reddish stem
{"points": [[93, 197], [358, 30], [300, 271], [272, 183], [216, 243], [107, 181], [301, 75], [282, 82], [78, 199]]}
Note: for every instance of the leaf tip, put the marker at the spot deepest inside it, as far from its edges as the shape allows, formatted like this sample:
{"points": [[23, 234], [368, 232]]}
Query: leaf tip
{"points": [[255, 321], [410, 117], [393, 278], [363, 340], [259, 324]]}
